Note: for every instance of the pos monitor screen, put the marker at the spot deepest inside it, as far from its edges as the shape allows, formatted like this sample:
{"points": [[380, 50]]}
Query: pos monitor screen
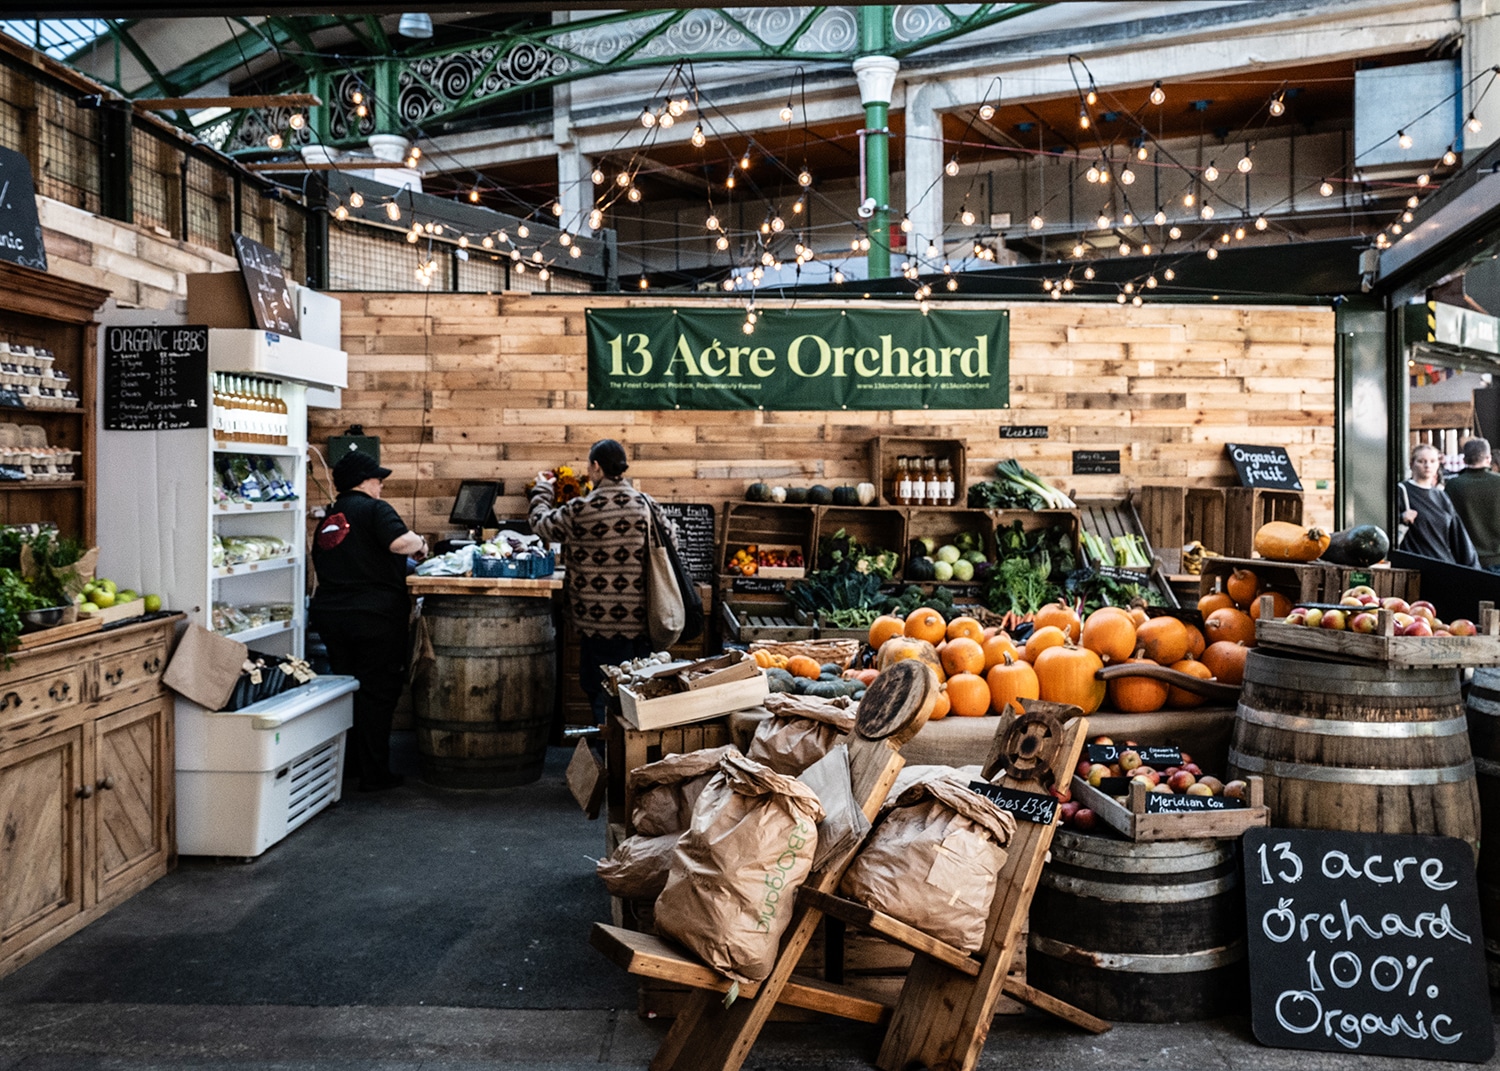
{"points": [[474, 505]]}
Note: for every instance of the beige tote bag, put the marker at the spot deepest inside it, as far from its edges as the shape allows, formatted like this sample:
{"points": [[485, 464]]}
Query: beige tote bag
{"points": [[665, 611]]}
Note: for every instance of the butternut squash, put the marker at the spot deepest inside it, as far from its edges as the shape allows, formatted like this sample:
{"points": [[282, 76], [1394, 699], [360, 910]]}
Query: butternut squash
{"points": [[1283, 541]]}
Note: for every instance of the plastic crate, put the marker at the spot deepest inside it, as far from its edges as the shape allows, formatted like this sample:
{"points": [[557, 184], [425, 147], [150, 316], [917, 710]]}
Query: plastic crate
{"points": [[272, 682], [516, 568]]}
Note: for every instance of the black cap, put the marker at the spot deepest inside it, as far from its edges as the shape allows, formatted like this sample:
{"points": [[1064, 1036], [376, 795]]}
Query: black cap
{"points": [[354, 468]]}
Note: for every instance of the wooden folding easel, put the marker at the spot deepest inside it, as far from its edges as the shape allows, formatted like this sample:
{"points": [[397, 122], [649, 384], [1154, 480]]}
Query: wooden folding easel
{"points": [[713, 1036]]}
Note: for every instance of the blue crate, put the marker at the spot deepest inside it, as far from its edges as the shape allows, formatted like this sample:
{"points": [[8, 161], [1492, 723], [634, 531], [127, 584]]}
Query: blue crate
{"points": [[524, 569]]}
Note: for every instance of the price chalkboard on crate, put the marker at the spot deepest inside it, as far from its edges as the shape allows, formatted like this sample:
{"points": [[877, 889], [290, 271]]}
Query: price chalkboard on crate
{"points": [[155, 378], [1366, 943], [1035, 807], [270, 299], [1263, 466], [695, 537]]}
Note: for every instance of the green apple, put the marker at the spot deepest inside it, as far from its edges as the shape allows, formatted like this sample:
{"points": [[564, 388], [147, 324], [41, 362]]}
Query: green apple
{"points": [[104, 599], [88, 608], [80, 599], [942, 571], [153, 603], [109, 586], [127, 595], [963, 571]]}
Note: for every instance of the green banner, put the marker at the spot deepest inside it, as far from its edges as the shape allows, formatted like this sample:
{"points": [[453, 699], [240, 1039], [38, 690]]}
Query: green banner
{"points": [[667, 358]]}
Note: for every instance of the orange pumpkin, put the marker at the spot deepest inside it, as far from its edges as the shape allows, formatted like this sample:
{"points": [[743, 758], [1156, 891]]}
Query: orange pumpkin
{"points": [[1243, 585], [1226, 661], [1110, 633], [962, 655], [1280, 603], [941, 707], [1063, 616], [1009, 682], [884, 627], [925, 623], [1164, 639], [1181, 699], [965, 627], [1043, 639], [902, 647], [1138, 615], [802, 666], [1137, 695], [864, 676], [1066, 675], [1232, 626], [1196, 642], [968, 695], [996, 647], [1214, 600]]}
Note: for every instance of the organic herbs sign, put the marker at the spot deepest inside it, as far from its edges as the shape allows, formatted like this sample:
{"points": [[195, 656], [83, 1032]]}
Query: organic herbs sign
{"points": [[1366, 943], [799, 359]]}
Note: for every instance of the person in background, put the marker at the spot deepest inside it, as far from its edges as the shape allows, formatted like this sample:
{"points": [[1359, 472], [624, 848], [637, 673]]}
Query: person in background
{"points": [[361, 608], [603, 535], [1432, 526], [1475, 493]]}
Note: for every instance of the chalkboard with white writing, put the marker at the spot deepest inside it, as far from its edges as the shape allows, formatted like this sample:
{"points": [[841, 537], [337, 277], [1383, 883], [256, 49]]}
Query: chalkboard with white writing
{"points": [[1263, 466], [20, 227], [270, 299], [1366, 943], [155, 378], [1096, 462], [695, 537]]}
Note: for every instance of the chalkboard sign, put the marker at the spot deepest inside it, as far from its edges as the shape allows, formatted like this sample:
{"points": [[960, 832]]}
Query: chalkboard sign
{"points": [[1366, 943], [1096, 462], [695, 537], [1124, 576], [20, 228], [1158, 758], [1263, 466], [1175, 803], [754, 585], [1023, 431], [270, 300], [155, 378], [1035, 807]]}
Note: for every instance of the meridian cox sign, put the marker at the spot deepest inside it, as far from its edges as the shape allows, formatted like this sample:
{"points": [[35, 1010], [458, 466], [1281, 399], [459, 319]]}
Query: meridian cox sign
{"points": [[665, 358]]}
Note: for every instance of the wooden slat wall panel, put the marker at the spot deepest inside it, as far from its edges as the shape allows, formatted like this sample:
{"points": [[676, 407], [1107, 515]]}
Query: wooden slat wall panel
{"points": [[473, 386]]}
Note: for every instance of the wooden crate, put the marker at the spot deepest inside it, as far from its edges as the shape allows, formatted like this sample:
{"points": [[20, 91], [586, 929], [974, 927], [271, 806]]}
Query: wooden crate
{"points": [[747, 618], [1387, 582], [1131, 818], [877, 528], [626, 749], [885, 449], [1247, 508], [1383, 647], [1298, 581], [945, 525], [1108, 518], [1174, 515], [769, 523]]}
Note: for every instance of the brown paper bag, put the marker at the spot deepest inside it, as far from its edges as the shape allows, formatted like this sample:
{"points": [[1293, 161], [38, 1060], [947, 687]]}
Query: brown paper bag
{"points": [[638, 868], [666, 790], [735, 873], [800, 731], [932, 862], [205, 667]]}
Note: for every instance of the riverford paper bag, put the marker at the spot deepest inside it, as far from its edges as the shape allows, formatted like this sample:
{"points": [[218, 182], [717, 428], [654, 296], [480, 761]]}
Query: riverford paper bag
{"points": [[800, 731], [932, 862], [666, 790], [637, 869], [735, 872]]}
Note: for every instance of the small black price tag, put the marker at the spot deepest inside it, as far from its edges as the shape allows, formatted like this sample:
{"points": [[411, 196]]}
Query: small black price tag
{"points": [[750, 585], [1113, 786], [1158, 758], [1096, 462], [1177, 803], [1124, 576], [1035, 807], [1023, 431]]}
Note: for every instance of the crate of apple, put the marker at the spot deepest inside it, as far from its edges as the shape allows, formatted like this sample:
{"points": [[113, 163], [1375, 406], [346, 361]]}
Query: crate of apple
{"points": [[1359, 609], [1186, 779]]}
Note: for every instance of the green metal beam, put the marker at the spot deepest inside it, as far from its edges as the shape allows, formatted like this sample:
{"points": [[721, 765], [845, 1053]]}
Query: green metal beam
{"points": [[875, 40], [985, 16]]}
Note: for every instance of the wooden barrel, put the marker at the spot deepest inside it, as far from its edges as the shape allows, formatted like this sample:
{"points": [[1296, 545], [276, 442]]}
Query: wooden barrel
{"points": [[1148, 932], [1369, 749], [484, 710], [1484, 738]]}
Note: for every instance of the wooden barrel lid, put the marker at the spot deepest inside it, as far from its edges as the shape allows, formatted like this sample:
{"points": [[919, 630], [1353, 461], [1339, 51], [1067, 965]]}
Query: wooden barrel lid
{"points": [[898, 702]]}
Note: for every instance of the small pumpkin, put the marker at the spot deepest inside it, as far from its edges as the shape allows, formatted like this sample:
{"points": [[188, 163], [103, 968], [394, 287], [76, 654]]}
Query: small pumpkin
{"points": [[866, 492], [1226, 661], [778, 494], [802, 666], [845, 495], [1109, 633], [1234, 626], [1214, 600], [1138, 695], [1062, 615], [819, 495], [1011, 681], [1283, 541], [1242, 586], [1164, 641], [1180, 698], [1280, 602], [758, 492], [1196, 642], [1066, 675], [1043, 639], [900, 648]]}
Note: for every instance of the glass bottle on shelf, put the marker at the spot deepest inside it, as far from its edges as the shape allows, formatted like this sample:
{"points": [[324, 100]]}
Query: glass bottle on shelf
{"points": [[283, 423], [934, 489], [918, 483], [216, 408], [901, 492], [945, 481]]}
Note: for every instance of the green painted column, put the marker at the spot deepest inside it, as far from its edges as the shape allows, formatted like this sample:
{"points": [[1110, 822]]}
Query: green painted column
{"points": [[876, 73]]}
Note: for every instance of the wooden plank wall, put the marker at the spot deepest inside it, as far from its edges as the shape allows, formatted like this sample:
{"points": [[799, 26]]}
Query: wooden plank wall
{"points": [[471, 386]]}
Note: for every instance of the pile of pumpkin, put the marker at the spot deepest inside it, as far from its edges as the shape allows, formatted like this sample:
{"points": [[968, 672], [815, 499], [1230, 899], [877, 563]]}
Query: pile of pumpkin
{"points": [[983, 671]]}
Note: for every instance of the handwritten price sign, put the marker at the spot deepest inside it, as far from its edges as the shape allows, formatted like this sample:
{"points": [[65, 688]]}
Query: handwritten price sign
{"points": [[1366, 943]]}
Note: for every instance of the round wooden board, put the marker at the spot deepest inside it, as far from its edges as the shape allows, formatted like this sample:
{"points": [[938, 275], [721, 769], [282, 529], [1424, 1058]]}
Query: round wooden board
{"points": [[898, 702]]}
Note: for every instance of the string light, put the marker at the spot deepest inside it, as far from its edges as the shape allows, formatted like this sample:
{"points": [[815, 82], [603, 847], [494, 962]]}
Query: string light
{"points": [[905, 224], [393, 211], [557, 208], [1210, 173], [564, 239], [1412, 202], [296, 121], [357, 97], [1403, 139], [1278, 105], [677, 107], [598, 177], [1206, 212], [1120, 298], [1175, 233], [361, 111], [1124, 249], [745, 161], [712, 223], [1213, 254], [1141, 153], [523, 231], [778, 224], [786, 114], [1423, 179], [1092, 174], [797, 207], [729, 183], [1150, 282], [667, 120], [1083, 119], [634, 194], [1245, 164], [1103, 221], [1078, 250], [1092, 97], [1239, 234], [1261, 223], [643, 284], [1136, 301], [1127, 219], [721, 243], [648, 118], [622, 179], [1129, 288], [474, 197], [951, 168], [1325, 188], [1158, 95], [415, 153], [341, 213], [804, 178], [932, 252], [864, 245], [966, 218], [1057, 295], [838, 277], [698, 139], [1160, 218], [463, 241], [1474, 125], [487, 242], [1450, 157], [1169, 275], [537, 256], [986, 112], [1188, 200], [596, 219], [1088, 273], [544, 275], [274, 141], [1067, 284], [1127, 176], [1395, 228], [413, 236], [951, 284]]}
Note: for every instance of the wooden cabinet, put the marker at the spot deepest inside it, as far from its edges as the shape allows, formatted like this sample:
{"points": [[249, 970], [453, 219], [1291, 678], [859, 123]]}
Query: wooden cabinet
{"points": [[86, 761]]}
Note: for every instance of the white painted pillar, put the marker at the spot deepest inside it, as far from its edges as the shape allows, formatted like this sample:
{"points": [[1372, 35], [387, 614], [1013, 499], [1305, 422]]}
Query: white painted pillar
{"points": [[575, 191], [924, 167], [1481, 51]]}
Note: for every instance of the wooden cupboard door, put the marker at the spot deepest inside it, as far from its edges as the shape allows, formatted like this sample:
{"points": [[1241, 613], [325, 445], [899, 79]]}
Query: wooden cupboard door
{"points": [[41, 837], [130, 793]]}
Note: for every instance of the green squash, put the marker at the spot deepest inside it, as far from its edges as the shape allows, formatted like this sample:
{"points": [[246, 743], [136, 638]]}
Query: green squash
{"points": [[758, 492], [920, 570], [796, 495], [819, 495], [1364, 544], [845, 496]]}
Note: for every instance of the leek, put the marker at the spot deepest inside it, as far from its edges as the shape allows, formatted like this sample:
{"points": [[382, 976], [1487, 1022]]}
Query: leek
{"points": [[1011, 472]]}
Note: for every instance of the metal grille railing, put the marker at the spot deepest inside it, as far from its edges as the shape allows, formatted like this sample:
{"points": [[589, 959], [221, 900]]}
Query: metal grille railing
{"points": [[210, 205], [153, 181], [68, 147]]}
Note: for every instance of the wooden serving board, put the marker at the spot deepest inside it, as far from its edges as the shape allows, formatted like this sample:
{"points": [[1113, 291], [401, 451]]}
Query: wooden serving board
{"points": [[1131, 818], [117, 612], [56, 635], [1383, 647]]}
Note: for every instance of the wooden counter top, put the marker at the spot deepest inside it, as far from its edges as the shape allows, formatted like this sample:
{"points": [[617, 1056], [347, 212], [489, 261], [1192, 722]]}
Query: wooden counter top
{"points": [[540, 587]]}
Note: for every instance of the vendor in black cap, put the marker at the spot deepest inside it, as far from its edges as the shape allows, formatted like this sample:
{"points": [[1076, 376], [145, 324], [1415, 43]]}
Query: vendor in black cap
{"points": [[360, 608]]}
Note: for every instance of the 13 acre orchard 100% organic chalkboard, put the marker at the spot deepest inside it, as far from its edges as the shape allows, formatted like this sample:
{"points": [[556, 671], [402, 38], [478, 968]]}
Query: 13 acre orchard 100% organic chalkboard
{"points": [[1366, 943]]}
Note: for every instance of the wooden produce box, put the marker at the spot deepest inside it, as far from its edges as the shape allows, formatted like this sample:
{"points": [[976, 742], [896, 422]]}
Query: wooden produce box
{"points": [[1174, 516], [1108, 518], [828, 631], [1302, 582], [1387, 581], [945, 525], [627, 748], [732, 688], [1133, 819], [117, 612], [1383, 647], [769, 572], [766, 524], [873, 527], [1247, 508], [747, 620], [885, 449]]}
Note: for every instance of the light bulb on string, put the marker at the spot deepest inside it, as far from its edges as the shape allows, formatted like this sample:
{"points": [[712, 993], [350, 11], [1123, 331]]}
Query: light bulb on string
{"points": [[596, 219], [1057, 295], [648, 118], [1158, 95], [356, 199], [487, 241], [634, 194], [1141, 153], [1210, 173], [515, 256], [951, 168], [676, 107], [1092, 174], [1067, 284], [1103, 221], [778, 224], [1213, 254], [864, 245], [361, 111], [765, 226], [1127, 219], [729, 182], [786, 114], [745, 161], [797, 207], [1403, 139], [698, 139], [1277, 107], [1206, 212], [1124, 249], [932, 250], [1145, 249], [1169, 275], [721, 243], [1188, 200], [838, 277], [1150, 282], [667, 120], [1083, 119], [1406, 217], [1136, 301], [392, 211], [1245, 164], [341, 213], [1037, 223], [557, 208], [622, 179], [1175, 233], [1239, 234], [951, 284], [1473, 124], [537, 256], [413, 236], [1088, 273], [1449, 157], [1092, 97], [474, 197], [357, 97], [275, 141], [564, 239], [463, 241], [1423, 179], [1395, 228], [1412, 201], [711, 223], [1129, 288], [1261, 223], [1127, 176], [296, 121], [966, 218], [727, 284], [1078, 250], [1160, 218], [905, 224], [986, 112], [1120, 299], [1325, 188], [804, 178], [523, 231], [598, 177]]}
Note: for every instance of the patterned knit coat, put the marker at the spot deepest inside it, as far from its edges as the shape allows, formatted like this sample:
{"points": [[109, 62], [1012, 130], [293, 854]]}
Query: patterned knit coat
{"points": [[604, 551]]}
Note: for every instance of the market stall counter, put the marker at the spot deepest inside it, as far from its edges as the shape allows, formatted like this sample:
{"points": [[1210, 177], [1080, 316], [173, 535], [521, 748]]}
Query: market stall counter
{"points": [[484, 704]]}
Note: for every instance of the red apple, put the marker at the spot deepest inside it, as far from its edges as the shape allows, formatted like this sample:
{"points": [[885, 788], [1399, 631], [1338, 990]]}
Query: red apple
{"points": [[1351, 600], [1062, 792], [1402, 620], [1462, 626], [1370, 600], [1163, 789], [1103, 740], [1129, 760], [1185, 756], [1395, 605], [1146, 773], [1192, 768], [1364, 622], [1441, 632], [1296, 617], [1083, 768], [1181, 780], [1419, 627], [1068, 811], [1236, 790], [1423, 604], [1334, 619], [1361, 589], [1115, 770], [1131, 743], [1083, 818]]}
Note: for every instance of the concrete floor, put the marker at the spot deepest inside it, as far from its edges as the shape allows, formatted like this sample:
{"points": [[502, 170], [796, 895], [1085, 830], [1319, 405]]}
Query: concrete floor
{"points": [[417, 929]]}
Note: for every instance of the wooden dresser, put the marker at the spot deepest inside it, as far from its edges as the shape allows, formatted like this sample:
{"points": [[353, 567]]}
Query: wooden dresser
{"points": [[86, 769]]}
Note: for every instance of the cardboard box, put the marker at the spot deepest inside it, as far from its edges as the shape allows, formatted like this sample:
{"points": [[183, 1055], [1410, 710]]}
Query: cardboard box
{"points": [[730, 690]]}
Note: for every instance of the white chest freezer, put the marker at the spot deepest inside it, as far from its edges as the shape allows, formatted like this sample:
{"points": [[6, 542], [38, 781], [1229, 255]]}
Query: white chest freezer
{"points": [[246, 778]]}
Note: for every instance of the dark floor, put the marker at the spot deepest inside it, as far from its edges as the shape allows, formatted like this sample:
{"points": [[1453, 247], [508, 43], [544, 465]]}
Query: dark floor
{"points": [[449, 932]]}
